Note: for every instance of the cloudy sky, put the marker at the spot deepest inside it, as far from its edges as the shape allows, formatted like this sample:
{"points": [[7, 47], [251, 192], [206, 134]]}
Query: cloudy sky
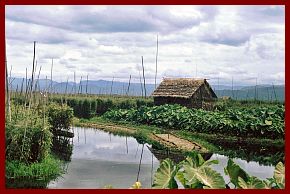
{"points": [[213, 42]]}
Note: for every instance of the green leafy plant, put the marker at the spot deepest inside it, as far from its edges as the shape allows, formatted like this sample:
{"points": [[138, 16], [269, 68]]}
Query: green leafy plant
{"points": [[264, 122], [27, 136], [59, 116], [164, 177], [196, 173]]}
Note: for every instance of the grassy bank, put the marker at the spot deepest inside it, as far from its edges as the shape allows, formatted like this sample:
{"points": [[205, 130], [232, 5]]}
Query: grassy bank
{"points": [[140, 132], [34, 175]]}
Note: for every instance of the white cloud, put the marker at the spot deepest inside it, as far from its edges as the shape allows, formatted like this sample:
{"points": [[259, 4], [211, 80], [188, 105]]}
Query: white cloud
{"points": [[215, 42]]}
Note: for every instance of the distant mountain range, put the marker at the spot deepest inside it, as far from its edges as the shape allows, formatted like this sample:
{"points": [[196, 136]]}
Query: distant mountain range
{"points": [[261, 92]]}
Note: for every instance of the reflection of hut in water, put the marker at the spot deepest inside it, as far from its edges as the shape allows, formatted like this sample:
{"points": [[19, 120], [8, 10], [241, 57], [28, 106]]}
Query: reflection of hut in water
{"points": [[162, 154], [192, 93]]}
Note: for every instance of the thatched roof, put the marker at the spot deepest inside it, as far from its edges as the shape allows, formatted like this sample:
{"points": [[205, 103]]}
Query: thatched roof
{"points": [[180, 87]]}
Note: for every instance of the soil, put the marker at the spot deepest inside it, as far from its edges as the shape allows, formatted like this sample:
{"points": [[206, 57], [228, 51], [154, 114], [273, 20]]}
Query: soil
{"points": [[179, 142]]}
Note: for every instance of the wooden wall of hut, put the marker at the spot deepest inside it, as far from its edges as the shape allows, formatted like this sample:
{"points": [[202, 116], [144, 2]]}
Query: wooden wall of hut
{"points": [[172, 100]]}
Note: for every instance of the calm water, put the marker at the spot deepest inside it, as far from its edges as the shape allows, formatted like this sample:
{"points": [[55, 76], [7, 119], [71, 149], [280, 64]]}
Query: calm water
{"points": [[101, 159]]}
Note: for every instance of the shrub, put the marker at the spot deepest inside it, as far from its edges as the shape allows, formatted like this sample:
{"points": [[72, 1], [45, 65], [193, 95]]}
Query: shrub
{"points": [[59, 116], [28, 138], [35, 175]]}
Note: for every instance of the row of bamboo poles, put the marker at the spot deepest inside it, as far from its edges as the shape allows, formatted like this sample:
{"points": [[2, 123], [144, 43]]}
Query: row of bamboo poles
{"points": [[32, 85]]}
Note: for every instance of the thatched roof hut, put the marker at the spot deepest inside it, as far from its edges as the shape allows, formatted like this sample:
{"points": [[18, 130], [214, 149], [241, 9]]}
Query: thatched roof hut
{"points": [[189, 92]]}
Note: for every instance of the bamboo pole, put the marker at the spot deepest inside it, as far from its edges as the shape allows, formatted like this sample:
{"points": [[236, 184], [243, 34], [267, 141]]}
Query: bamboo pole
{"points": [[75, 83], [37, 81], [233, 88], [256, 90], [32, 76], [128, 89], [26, 85], [66, 90], [144, 77], [22, 83], [156, 60], [80, 85], [8, 103], [50, 91], [141, 83], [274, 92], [112, 86], [87, 84]]}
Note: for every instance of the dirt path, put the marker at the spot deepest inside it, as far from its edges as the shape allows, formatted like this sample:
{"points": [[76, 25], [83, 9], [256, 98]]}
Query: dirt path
{"points": [[179, 142], [173, 141]]}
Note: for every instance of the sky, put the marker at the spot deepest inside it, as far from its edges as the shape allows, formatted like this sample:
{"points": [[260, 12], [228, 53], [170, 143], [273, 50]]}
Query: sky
{"points": [[224, 44]]}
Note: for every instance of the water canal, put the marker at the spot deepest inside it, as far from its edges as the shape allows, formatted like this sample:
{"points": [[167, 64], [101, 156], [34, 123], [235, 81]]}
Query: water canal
{"points": [[101, 159]]}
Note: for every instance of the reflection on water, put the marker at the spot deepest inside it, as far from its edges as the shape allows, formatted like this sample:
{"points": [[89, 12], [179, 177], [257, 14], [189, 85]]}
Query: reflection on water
{"points": [[252, 168], [101, 159]]}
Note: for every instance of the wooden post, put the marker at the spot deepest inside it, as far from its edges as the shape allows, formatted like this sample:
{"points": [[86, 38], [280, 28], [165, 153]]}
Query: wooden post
{"points": [[274, 92], [141, 83], [75, 83], [80, 86], [37, 81], [66, 90], [21, 90], [233, 87], [87, 85], [128, 89], [144, 77], [50, 90], [156, 60], [8, 103], [112, 86], [32, 76]]}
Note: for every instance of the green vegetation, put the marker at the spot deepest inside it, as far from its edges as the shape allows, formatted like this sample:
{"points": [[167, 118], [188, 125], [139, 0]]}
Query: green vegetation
{"points": [[29, 139], [34, 175], [222, 105], [196, 173], [59, 117], [27, 135], [263, 151], [88, 107], [139, 131], [33, 135], [254, 122]]}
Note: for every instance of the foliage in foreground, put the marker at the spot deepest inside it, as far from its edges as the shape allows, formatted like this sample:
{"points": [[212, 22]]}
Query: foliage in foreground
{"points": [[28, 144], [263, 122], [196, 173]]}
